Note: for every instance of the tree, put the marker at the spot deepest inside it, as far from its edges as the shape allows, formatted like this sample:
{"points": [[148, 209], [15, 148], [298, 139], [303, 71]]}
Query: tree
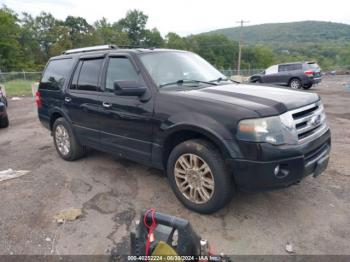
{"points": [[134, 24], [81, 33], [216, 48], [153, 38], [257, 57], [175, 41], [108, 33], [43, 29], [10, 51]]}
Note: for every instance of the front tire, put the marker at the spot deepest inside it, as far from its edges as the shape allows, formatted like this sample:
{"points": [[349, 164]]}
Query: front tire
{"points": [[255, 80], [199, 177], [295, 83], [65, 142]]}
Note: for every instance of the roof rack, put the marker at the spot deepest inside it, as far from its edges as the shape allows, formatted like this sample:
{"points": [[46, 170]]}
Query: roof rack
{"points": [[90, 49]]}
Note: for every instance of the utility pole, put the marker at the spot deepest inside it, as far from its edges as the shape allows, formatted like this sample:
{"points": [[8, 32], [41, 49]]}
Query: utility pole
{"points": [[242, 22]]}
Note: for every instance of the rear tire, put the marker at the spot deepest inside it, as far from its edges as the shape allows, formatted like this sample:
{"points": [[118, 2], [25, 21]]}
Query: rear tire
{"points": [[65, 142], [199, 177], [308, 86], [295, 83], [4, 122]]}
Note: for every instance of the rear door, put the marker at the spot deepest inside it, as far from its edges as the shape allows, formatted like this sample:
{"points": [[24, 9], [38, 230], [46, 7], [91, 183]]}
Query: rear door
{"points": [[293, 70], [126, 124], [284, 73], [53, 82], [82, 100]]}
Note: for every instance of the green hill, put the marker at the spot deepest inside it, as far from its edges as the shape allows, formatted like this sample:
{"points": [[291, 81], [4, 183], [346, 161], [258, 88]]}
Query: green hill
{"points": [[289, 33]]}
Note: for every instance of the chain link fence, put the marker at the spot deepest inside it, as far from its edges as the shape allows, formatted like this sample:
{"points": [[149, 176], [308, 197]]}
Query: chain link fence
{"points": [[243, 72], [19, 83]]}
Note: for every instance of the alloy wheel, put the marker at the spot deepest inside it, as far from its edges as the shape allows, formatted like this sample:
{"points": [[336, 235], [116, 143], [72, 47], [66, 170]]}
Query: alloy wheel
{"points": [[62, 140], [295, 84], [194, 178]]}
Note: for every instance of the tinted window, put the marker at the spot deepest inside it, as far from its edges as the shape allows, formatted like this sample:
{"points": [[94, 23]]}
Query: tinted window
{"points": [[89, 74], [282, 68], [291, 67], [295, 67], [76, 76], [120, 68], [56, 74]]}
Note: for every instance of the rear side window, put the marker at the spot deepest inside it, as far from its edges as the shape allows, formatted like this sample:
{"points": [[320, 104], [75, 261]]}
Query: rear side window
{"points": [[282, 68], [120, 68], [56, 74], [89, 75], [291, 67]]}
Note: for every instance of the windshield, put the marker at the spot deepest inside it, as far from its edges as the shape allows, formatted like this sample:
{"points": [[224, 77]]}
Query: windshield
{"points": [[179, 68]]}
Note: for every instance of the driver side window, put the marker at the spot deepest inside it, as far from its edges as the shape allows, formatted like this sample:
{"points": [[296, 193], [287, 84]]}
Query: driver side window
{"points": [[120, 68], [271, 70]]}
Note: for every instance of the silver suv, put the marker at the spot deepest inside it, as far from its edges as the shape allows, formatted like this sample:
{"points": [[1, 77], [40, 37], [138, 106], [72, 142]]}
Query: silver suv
{"points": [[295, 75]]}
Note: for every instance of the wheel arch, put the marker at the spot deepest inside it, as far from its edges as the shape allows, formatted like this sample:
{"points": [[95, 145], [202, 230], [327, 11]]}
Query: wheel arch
{"points": [[254, 79], [294, 77], [186, 132], [56, 113]]}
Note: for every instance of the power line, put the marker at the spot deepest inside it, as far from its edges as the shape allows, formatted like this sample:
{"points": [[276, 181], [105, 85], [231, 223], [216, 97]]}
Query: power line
{"points": [[242, 22]]}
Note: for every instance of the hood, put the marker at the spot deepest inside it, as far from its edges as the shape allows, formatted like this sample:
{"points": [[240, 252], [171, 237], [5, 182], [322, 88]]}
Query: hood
{"points": [[264, 100]]}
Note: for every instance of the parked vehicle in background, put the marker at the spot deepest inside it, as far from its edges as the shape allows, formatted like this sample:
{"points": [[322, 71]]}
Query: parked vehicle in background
{"points": [[172, 110], [4, 120], [295, 75]]}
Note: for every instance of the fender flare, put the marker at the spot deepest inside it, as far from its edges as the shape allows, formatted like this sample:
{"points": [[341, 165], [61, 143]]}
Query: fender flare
{"points": [[224, 145]]}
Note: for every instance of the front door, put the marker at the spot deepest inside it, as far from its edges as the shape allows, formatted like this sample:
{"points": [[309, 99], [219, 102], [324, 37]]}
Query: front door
{"points": [[126, 124], [271, 75]]}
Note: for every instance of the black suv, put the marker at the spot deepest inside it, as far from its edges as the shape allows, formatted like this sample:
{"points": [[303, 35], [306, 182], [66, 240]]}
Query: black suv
{"points": [[172, 110], [295, 75]]}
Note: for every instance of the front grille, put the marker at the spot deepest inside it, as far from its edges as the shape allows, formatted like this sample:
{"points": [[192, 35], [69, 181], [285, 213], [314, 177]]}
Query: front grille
{"points": [[309, 121]]}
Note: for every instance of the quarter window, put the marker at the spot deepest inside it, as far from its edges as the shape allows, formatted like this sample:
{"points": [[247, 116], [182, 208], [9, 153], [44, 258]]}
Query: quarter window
{"points": [[56, 74], [120, 68]]}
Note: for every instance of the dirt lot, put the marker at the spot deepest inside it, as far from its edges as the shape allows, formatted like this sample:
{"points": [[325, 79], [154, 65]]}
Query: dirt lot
{"points": [[314, 216]]}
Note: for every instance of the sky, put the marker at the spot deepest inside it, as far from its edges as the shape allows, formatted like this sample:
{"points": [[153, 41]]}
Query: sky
{"points": [[192, 16]]}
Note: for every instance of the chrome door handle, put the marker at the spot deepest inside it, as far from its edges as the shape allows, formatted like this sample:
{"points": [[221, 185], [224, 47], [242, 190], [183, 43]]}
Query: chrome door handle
{"points": [[106, 105], [67, 99]]}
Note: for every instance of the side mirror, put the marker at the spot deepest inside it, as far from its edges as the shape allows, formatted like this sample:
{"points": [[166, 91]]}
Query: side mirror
{"points": [[128, 88]]}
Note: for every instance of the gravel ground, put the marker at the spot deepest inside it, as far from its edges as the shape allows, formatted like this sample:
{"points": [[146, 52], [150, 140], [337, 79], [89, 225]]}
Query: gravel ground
{"points": [[314, 216]]}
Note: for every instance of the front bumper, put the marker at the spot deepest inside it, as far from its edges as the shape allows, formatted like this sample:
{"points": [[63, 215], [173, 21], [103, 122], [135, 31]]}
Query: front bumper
{"points": [[295, 163]]}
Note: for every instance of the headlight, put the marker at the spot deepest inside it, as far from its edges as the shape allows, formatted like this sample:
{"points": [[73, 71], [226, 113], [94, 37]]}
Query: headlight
{"points": [[276, 130]]}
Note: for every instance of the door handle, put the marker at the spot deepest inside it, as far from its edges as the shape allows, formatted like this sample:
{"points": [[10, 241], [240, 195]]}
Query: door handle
{"points": [[106, 105], [67, 99]]}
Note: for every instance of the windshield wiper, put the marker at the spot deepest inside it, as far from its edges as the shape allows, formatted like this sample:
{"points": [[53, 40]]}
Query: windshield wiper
{"points": [[223, 79], [187, 81]]}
